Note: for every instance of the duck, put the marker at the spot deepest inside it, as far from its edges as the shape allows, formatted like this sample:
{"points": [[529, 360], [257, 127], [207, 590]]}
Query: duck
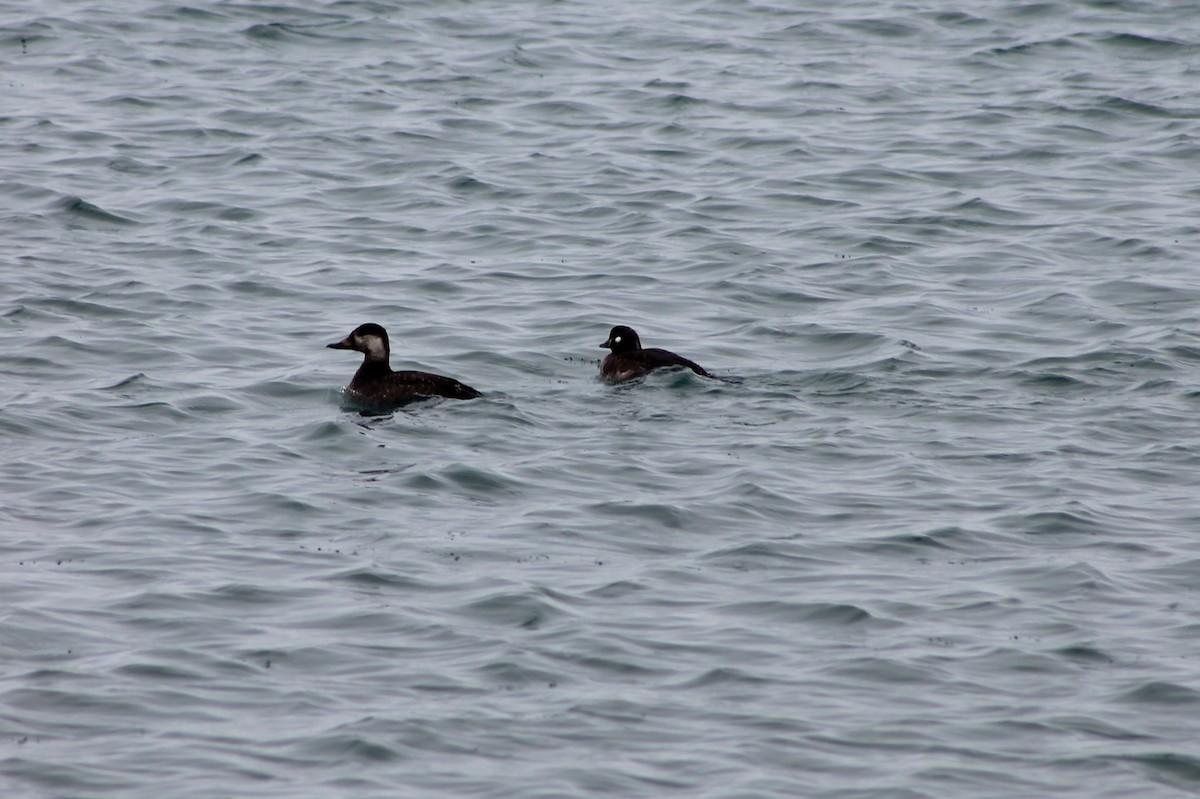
{"points": [[376, 385], [629, 360]]}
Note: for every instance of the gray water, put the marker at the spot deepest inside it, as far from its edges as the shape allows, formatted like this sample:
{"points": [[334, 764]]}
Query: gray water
{"points": [[943, 540]]}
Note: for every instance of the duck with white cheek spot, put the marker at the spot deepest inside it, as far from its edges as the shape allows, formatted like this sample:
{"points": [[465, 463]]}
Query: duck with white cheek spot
{"points": [[629, 360], [375, 385]]}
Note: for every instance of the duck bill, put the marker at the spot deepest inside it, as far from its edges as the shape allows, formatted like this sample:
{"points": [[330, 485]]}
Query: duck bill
{"points": [[344, 344], [605, 346]]}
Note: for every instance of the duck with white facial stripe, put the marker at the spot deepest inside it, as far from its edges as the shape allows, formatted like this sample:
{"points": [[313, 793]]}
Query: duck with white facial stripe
{"points": [[376, 386]]}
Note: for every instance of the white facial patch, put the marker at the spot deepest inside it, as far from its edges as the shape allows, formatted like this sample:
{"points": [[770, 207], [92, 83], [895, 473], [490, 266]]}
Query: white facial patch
{"points": [[373, 346], [617, 340]]}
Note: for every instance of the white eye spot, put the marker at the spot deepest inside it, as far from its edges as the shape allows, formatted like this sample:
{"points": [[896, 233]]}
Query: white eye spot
{"points": [[617, 340]]}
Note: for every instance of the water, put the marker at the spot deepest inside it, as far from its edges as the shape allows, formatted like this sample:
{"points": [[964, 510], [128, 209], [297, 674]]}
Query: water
{"points": [[941, 541]]}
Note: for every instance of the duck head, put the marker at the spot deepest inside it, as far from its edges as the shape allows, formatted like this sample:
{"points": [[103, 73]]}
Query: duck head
{"points": [[622, 339], [369, 339]]}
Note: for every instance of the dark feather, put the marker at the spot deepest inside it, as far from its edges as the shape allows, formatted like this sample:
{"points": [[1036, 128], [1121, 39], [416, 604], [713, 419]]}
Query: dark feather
{"points": [[629, 360], [375, 385]]}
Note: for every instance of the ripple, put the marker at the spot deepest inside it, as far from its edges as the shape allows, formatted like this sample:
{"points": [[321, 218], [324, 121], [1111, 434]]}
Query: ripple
{"points": [[78, 208], [1160, 692], [935, 537], [511, 609], [821, 612]]}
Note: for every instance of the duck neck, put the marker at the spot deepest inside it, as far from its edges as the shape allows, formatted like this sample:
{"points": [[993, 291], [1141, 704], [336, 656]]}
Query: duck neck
{"points": [[374, 367]]}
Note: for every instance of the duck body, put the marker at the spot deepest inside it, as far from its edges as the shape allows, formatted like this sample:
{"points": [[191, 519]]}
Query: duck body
{"points": [[375, 385], [629, 360]]}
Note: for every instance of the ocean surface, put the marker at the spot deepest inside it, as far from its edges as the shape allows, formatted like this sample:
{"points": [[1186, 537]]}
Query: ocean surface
{"points": [[941, 540]]}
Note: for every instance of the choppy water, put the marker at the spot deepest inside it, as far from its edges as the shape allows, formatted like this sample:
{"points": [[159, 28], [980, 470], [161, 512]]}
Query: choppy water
{"points": [[942, 541]]}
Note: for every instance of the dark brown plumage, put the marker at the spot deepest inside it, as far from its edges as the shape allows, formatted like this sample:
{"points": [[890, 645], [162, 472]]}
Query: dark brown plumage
{"points": [[629, 360], [375, 385]]}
